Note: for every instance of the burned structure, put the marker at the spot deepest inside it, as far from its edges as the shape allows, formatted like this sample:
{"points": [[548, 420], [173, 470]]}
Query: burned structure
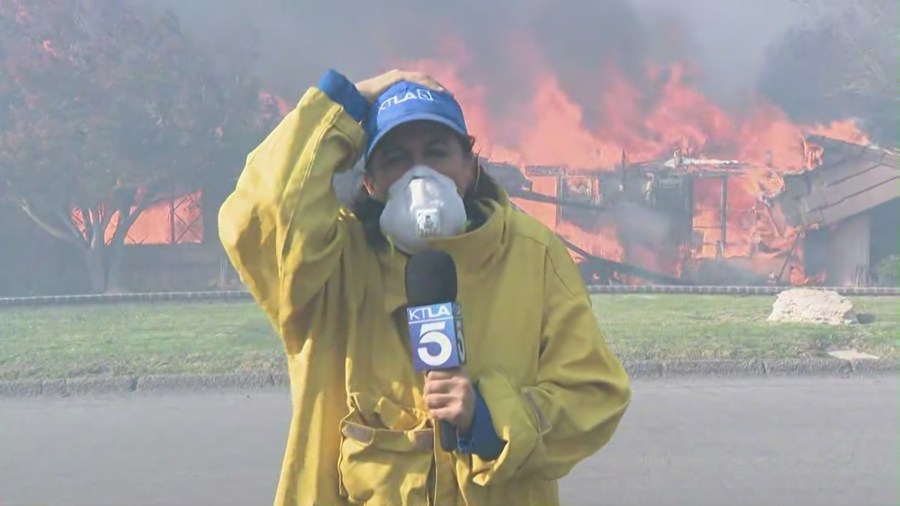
{"points": [[675, 221], [850, 204], [648, 207], [693, 221]]}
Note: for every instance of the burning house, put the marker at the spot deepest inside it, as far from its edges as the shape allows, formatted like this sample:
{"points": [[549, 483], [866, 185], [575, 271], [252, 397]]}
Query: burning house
{"points": [[637, 199], [686, 220], [681, 220]]}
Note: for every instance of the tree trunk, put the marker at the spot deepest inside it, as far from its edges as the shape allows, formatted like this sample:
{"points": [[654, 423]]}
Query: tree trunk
{"points": [[103, 262], [114, 268], [96, 269]]}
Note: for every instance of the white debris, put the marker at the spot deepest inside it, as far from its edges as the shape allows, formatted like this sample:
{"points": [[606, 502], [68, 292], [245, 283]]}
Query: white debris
{"points": [[679, 161], [805, 305]]}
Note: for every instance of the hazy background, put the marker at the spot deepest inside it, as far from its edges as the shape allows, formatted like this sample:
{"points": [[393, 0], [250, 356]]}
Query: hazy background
{"points": [[818, 60], [297, 42], [738, 45]]}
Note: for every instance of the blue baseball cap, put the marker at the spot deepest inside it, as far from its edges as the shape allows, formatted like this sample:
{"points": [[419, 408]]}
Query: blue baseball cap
{"points": [[406, 101]]}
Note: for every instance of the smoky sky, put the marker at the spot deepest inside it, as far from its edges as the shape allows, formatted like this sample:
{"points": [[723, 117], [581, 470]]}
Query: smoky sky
{"points": [[296, 41]]}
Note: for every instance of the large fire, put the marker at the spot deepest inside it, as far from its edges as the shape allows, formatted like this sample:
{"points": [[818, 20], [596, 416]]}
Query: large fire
{"points": [[662, 118]]}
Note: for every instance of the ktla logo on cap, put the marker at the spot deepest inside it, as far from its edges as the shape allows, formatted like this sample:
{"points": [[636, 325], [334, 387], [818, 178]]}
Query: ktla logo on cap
{"points": [[405, 102], [400, 98]]}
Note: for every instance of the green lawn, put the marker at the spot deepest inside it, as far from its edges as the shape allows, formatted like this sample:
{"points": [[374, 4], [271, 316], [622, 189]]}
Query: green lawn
{"points": [[70, 341]]}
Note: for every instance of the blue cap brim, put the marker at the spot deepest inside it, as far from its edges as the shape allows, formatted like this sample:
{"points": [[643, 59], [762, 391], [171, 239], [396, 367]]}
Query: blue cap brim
{"points": [[406, 119]]}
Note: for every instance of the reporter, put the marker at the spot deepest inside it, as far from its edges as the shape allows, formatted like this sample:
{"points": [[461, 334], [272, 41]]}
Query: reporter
{"points": [[541, 390]]}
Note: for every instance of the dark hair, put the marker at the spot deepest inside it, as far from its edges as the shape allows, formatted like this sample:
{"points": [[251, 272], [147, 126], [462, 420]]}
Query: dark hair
{"points": [[467, 142], [368, 210]]}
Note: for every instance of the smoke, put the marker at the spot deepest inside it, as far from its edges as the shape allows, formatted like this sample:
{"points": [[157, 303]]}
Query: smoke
{"points": [[575, 38], [730, 40], [644, 226], [844, 63]]}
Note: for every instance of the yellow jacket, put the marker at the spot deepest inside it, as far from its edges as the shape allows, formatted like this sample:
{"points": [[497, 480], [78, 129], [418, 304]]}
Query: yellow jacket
{"points": [[360, 433]]}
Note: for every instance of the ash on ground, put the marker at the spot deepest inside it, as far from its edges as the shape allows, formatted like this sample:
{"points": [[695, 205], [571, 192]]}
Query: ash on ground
{"points": [[805, 305]]}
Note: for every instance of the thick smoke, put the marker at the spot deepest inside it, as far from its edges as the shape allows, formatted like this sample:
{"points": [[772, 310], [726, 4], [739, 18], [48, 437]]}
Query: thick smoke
{"points": [[296, 41], [844, 63]]}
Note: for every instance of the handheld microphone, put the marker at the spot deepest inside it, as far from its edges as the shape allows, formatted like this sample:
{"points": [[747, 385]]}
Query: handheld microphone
{"points": [[435, 320]]}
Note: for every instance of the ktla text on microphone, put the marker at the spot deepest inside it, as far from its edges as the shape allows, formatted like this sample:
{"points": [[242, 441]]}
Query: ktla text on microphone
{"points": [[435, 320]]}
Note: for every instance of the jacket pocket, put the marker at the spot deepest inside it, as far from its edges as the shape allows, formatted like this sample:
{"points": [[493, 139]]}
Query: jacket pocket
{"points": [[381, 467]]}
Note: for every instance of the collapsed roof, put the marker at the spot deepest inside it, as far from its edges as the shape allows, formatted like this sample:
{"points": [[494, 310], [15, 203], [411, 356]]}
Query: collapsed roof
{"points": [[851, 180]]}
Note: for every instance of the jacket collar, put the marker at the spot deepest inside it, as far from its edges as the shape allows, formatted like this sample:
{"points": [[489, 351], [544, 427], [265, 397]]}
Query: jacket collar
{"points": [[473, 252]]}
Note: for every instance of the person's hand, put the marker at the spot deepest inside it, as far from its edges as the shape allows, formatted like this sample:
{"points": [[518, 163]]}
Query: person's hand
{"points": [[373, 87], [450, 396]]}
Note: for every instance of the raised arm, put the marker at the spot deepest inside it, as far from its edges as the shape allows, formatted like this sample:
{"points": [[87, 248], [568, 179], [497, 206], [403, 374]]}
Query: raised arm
{"points": [[283, 227]]}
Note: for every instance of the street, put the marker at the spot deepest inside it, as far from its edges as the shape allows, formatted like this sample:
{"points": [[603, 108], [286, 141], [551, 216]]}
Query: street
{"points": [[716, 442]]}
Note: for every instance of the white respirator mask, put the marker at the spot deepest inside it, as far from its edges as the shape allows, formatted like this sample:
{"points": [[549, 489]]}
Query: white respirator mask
{"points": [[422, 204]]}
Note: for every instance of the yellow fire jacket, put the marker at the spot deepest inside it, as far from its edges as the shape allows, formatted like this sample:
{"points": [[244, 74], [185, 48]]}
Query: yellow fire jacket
{"points": [[360, 433]]}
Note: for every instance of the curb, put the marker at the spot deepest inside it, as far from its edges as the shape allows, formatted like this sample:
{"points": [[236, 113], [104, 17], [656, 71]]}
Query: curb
{"points": [[243, 295], [641, 369]]}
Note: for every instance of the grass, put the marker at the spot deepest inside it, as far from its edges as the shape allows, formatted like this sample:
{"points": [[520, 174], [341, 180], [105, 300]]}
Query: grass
{"points": [[72, 341], [735, 327]]}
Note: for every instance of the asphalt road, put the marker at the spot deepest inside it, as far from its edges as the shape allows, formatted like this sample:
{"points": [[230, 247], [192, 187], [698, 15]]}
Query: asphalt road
{"points": [[823, 442]]}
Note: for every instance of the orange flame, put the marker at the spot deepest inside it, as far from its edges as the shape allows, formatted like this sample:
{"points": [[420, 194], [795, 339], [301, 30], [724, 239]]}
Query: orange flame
{"points": [[674, 120], [176, 220]]}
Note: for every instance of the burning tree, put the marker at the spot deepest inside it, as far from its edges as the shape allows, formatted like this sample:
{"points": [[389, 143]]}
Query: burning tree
{"points": [[105, 112]]}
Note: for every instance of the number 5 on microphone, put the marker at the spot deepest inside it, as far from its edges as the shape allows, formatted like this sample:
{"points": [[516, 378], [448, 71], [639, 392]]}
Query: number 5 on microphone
{"points": [[432, 333], [437, 325], [436, 337]]}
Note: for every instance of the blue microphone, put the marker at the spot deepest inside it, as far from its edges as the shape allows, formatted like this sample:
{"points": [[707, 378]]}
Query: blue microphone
{"points": [[435, 321]]}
